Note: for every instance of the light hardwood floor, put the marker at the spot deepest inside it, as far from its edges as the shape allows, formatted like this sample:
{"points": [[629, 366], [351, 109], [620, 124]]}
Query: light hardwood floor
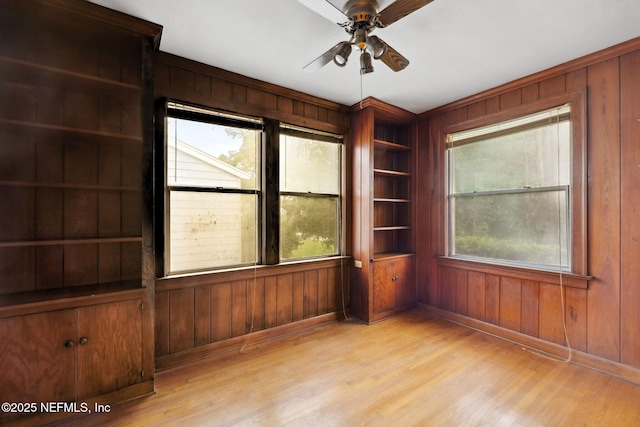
{"points": [[412, 369]]}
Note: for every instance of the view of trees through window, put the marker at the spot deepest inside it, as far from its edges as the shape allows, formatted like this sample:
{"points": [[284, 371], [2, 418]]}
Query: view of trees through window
{"points": [[509, 194], [309, 197], [213, 174]]}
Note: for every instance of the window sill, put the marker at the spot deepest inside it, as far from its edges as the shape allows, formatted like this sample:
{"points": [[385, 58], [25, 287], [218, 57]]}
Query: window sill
{"points": [[546, 276], [177, 281]]}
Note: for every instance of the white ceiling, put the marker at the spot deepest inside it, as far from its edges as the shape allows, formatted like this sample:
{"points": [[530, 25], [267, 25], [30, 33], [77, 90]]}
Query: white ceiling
{"points": [[457, 48]]}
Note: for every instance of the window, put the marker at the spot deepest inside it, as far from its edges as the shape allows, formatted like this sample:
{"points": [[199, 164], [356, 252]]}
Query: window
{"points": [[244, 191], [310, 188], [510, 191], [213, 189]]}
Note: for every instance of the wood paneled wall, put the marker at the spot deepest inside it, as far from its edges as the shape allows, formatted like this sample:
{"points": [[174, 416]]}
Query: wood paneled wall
{"points": [[201, 314], [194, 312], [603, 320], [197, 83]]}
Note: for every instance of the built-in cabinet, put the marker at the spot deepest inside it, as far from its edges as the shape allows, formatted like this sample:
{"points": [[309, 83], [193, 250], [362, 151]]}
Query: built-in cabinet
{"points": [[73, 80], [72, 354], [384, 137]]}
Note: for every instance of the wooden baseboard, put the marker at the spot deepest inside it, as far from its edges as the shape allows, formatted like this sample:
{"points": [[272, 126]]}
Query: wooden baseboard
{"points": [[234, 344], [618, 370]]}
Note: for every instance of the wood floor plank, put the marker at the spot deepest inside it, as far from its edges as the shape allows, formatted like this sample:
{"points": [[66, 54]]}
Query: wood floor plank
{"points": [[412, 369]]}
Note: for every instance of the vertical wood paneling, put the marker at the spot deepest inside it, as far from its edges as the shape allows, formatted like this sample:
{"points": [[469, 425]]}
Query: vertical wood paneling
{"points": [[323, 292], [238, 308], [477, 109], [181, 327], [551, 328], [220, 312], [436, 201], [270, 301], [49, 262], [197, 316], [310, 293], [422, 211], [552, 86], [510, 302], [448, 288], [202, 315], [284, 299], [333, 286], [80, 264], [603, 333], [492, 310], [630, 207], [298, 296], [576, 317], [161, 323], [530, 93], [477, 295], [255, 304], [510, 99], [492, 105], [462, 292], [530, 308], [602, 320]]}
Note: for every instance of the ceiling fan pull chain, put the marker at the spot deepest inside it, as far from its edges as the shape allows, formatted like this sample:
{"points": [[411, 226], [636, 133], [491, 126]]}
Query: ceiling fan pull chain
{"points": [[361, 90]]}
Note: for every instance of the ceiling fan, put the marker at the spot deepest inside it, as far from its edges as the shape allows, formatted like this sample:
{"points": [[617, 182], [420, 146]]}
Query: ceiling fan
{"points": [[359, 18]]}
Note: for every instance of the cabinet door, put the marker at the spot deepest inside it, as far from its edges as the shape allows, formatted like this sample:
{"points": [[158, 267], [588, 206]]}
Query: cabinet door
{"points": [[392, 281], [35, 363], [111, 356], [404, 282], [384, 293]]}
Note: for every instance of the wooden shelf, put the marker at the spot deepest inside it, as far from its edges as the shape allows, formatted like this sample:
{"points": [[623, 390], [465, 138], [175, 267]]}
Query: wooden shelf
{"points": [[46, 129], [387, 200], [28, 243], [393, 146], [383, 256], [24, 302], [392, 228], [30, 184], [387, 172], [30, 73]]}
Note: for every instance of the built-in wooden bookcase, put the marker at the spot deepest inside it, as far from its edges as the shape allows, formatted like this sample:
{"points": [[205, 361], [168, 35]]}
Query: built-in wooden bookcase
{"points": [[384, 137], [72, 138], [391, 191]]}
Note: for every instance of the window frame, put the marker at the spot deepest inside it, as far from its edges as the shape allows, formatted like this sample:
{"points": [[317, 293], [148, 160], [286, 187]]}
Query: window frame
{"points": [[578, 176], [268, 227], [186, 111], [305, 133]]}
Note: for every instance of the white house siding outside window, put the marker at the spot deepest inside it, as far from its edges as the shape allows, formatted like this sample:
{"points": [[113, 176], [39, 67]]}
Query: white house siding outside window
{"points": [[212, 176]]}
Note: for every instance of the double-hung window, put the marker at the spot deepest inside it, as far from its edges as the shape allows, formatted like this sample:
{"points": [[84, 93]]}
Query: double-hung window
{"points": [[212, 189], [243, 191], [510, 191], [310, 189]]}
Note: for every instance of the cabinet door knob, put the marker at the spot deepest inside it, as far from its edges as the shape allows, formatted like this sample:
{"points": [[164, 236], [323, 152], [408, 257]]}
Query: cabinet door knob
{"points": [[84, 340], [68, 344]]}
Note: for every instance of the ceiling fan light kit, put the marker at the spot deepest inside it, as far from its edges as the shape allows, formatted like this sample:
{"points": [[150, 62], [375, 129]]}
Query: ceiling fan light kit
{"points": [[365, 63], [342, 55], [361, 17]]}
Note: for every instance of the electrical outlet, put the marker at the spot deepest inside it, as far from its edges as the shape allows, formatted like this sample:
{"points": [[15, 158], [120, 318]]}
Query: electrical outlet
{"points": [[357, 263]]}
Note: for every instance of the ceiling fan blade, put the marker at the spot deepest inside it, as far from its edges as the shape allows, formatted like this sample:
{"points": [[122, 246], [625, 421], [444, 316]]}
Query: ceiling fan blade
{"points": [[393, 59], [326, 9], [322, 60], [398, 10]]}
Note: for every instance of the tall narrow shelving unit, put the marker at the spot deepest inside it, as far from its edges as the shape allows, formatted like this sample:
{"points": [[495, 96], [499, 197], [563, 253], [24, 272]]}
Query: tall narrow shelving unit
{"points": [[74, 131], [384, 215]]}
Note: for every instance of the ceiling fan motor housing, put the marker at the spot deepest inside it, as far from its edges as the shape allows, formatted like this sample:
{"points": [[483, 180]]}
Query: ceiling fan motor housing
{"points": [[361, 11]]}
